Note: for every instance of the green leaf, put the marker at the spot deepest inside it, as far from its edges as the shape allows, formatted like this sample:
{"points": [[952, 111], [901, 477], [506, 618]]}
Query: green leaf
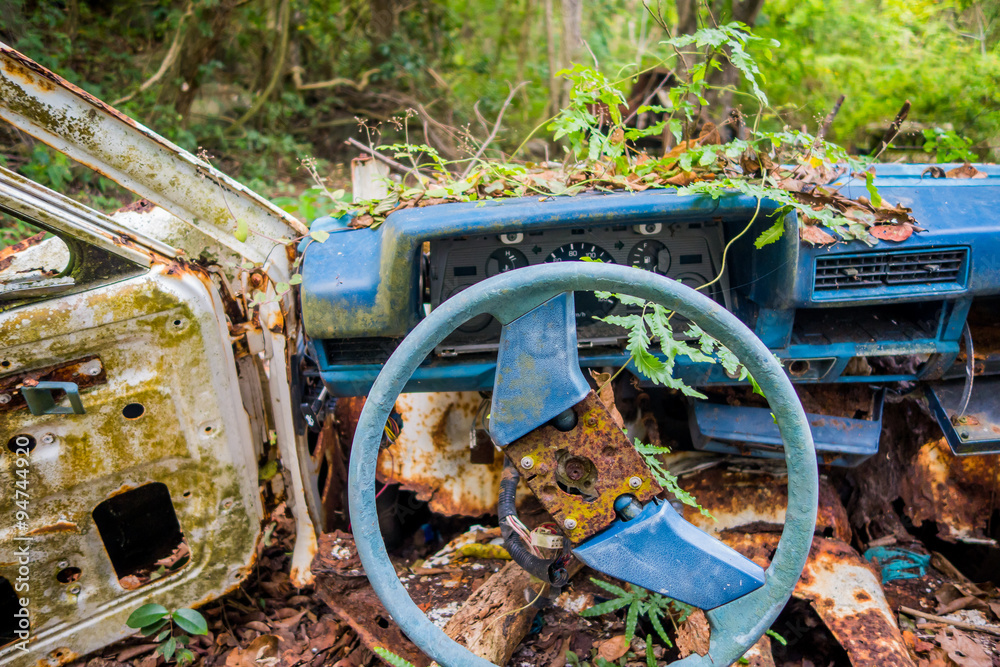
{"points": [[606, 607], [242, 231], [778, 638], [153, 628], [184, 656], [167, 649], [267, 471], [147, 614], [392, 658], [296, 279], [611, 588], [163, 635], [319, 235], [771, 234], [654, 618], [191, 621], [631, 620], [650, 658], [873, 195]]}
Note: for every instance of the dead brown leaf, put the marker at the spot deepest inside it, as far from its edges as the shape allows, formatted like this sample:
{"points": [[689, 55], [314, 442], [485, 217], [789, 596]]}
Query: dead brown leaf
{"points": [[131, 652], [130, 582], [966, 602], [963, 650], [892, 232], [965, 171], [693, 634], [613, 648], [607, 395], [815, 235], [361, 221], [262, 652], [709, 135], [916, 644]]}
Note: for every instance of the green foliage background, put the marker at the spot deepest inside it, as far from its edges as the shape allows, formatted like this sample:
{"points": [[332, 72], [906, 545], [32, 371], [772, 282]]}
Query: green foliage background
{"points": [[455, 59]]}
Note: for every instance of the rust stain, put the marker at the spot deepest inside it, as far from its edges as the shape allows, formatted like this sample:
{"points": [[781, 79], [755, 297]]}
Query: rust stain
{"points": [[844, 590], [57, 527], [7, 254], [755, 502], [25, 69], [958, 493], [432, 455], [578, 474], [139, 206]]}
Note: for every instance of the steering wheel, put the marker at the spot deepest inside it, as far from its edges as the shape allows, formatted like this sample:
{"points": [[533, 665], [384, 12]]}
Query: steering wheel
{"points": [[736, 625]]}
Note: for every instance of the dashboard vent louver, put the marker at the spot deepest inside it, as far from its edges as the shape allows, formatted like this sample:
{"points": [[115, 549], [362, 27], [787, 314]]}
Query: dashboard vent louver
{"points": [[866, 270]]}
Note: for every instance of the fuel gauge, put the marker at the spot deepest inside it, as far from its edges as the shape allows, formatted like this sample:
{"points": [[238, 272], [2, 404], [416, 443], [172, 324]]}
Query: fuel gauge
{"points": [[650, 255], [503, 260]]}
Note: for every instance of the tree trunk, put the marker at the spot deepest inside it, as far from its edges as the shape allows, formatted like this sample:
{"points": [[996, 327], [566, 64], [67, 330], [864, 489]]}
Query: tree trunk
{"points": [[199, 48], [572, 42], [550, 40], [720, 102]]}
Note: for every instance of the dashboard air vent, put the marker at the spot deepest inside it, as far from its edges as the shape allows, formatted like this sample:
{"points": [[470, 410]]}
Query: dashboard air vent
{"points": [[875, 269]]}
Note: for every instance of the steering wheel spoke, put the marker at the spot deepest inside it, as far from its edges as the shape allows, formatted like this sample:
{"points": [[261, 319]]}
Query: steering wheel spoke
{"points": [[660, 551], [538, 370]]}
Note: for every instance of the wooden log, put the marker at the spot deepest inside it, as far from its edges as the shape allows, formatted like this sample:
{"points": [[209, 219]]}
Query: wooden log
{"points": [[497, 616]]}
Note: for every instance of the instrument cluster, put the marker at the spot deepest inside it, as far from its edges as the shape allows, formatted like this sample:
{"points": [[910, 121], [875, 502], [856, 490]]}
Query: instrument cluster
{"points": [[689, 252]]}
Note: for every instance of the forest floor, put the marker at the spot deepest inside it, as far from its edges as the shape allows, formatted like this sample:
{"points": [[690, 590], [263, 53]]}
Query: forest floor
{"points": [[906, 597]]}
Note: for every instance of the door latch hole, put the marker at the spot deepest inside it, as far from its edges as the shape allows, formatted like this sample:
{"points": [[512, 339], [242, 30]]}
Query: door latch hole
{"points": [[68, 575], [133, 411]]}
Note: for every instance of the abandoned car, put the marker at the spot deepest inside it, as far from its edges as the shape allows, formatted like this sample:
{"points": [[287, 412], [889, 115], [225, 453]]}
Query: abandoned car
{"points": [[153, 360]]}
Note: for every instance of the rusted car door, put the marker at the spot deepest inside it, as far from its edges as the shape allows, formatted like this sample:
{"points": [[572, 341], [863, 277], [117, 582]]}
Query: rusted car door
{"points": [[143, 376]]}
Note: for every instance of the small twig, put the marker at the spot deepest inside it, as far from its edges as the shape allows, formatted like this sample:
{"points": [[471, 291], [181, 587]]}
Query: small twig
{"points": [[389, 161], [496, 128], [972, 627], [828, 121], [359, 85], [893, 129]]}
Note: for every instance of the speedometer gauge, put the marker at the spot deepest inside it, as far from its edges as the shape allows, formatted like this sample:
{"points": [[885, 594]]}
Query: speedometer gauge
{"points": [[579, 250], [588, 306]]}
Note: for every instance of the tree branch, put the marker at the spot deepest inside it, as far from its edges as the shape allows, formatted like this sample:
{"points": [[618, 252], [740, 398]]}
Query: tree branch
{"points": [[168, 60], [496, 128], [359, 85], [389, 161]]}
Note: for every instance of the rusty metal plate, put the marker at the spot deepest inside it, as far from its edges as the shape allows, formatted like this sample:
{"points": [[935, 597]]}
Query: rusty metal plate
{"points": [[85, 372], [578, 474]]}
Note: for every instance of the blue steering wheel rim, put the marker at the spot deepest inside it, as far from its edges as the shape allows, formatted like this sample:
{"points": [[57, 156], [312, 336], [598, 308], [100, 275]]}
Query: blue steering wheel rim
{"points": [[737, 625]]}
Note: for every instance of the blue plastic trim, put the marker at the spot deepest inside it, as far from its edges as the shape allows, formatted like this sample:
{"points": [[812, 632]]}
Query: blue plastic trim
{"points": [[363, 282], [730, 429], [459, 374], [538, 373], [691, 566], [735, 626]]}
